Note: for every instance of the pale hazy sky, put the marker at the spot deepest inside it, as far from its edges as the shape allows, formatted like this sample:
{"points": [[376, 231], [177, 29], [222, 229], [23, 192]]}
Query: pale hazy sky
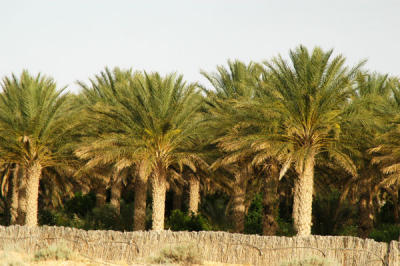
{"points": [[73, 40]]}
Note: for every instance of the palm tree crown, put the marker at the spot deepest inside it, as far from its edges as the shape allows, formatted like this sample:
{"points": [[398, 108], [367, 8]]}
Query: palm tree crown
{"points": [[152, 125]]}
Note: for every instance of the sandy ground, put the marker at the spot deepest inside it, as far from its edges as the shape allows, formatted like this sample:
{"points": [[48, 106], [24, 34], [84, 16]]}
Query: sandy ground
{"points": [[19, 259], [81, 263]]}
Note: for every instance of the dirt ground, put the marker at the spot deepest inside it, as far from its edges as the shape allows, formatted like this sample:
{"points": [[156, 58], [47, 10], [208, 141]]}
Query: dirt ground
{"points": [[8, 258]]}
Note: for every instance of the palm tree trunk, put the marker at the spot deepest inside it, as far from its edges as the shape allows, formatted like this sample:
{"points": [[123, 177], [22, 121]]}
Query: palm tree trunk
{"points": [[22, 196], [366, 216], [271, 201], [8, 194], [177, 200], [139, 216], [239, 196], [194, 194], [302, 198], [14, 195], [101, 195], [116, 196], [33, 174], [159, 184]]}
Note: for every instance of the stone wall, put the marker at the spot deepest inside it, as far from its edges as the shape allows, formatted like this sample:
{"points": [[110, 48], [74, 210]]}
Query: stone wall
{"points": [[212, 246]]}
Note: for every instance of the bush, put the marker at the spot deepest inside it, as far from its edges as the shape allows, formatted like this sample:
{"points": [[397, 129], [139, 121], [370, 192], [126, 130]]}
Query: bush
{"points": [[348, 230], [54, 252], [253, 223], [213, 207], [385, 233], [313, 261], [179, 221], [182, 255], [285, 228], [126, 215], [103, 218], [329, 215], [80, 204]]}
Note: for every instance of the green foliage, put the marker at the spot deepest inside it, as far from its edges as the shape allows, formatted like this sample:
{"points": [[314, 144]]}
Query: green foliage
{"points": [[126, 215], [80, 204], [329, 216], [386, 233], [57, 251], [310, 107], [103, 218], [179, 221], [385, 215], [348, 230], [285, 228], [313, 261], [213, 207], [253, 223], [182, 255], [79, 212]]}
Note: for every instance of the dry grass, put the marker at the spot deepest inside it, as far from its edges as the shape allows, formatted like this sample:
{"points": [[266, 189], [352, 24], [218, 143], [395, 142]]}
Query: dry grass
{"points": [[179, 254], [312, 261]]}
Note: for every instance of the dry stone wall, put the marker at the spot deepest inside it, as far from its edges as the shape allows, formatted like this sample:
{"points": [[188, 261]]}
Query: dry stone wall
{"points": [[212, 246]]}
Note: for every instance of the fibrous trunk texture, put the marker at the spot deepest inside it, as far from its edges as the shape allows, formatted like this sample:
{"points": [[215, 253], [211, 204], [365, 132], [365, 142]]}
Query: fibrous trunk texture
{"points": [[21, 196], [101, 195], [177, 199], [366, 211], [194, 194], [302, 198], [139, 216], [159, 186], [270, 202], [116, 195], [33, 173], [239, 196], [14, 196]]}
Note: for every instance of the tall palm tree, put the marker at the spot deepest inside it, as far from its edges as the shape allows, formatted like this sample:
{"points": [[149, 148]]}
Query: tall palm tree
{"points": [[236, 82], [104, 90], [35, 126], [150, 126], [309, 96], [386, 153], [369, 109]]}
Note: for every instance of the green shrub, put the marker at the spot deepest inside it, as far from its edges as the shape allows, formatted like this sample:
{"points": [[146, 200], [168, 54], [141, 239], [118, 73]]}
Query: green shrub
{"points": [[348, 230], [385, 214], [329, 214], [103, 218], [385, 233], [182, 255], [313, 261], [126, 215], [213, 207], [80, 204], [285, 228], [179, 221], [253, 222], [54, 252]]}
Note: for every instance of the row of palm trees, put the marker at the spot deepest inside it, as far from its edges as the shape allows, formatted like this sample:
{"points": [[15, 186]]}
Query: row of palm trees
{"points": [[250, 127]]}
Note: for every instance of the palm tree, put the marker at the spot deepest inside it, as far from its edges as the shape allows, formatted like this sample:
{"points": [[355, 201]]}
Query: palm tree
{"points": [[35, 125], [149, 125], [237, 82], [385, 155], [104, 90], [309, 96]]}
